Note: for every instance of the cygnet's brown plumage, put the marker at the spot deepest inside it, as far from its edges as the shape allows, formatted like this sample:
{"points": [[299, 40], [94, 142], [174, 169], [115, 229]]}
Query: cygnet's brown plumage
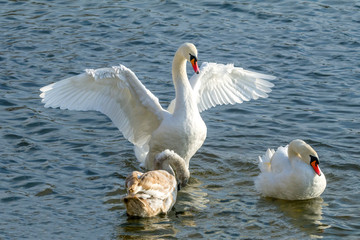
{"points": [[154, 192], [150, 193]]}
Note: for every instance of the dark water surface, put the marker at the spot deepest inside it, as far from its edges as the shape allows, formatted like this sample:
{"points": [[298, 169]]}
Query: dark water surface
{"points": [[62, 172]]}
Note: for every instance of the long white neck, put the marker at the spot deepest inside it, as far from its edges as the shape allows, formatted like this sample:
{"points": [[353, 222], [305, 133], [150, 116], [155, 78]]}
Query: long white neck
{"points": [[183, 90], [299, 148]]}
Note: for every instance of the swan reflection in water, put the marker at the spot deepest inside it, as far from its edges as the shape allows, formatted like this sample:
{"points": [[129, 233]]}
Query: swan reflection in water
{"points": [[306, 215]]}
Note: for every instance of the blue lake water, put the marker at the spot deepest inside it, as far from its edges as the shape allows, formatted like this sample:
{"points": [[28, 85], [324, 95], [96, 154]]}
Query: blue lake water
{"points": [[62, 172]]}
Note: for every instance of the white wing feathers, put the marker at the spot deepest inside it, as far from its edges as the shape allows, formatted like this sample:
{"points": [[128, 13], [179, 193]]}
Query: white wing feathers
{"points": [[219, 84], [117, 93]]}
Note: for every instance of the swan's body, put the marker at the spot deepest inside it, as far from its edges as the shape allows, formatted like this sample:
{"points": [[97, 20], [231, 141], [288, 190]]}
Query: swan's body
{"points": [[291, 173], [155, 192], [137, 113]]}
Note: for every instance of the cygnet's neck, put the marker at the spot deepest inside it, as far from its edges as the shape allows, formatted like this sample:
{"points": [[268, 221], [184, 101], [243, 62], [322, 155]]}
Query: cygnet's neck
{"points": [[170, 161]]}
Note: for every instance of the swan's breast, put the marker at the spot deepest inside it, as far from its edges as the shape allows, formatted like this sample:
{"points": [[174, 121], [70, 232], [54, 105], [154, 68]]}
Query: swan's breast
{"points": [[182, 135]]}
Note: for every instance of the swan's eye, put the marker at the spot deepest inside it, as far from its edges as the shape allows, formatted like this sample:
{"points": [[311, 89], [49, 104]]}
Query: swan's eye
{"points": [[192, 58], [314, 159]]}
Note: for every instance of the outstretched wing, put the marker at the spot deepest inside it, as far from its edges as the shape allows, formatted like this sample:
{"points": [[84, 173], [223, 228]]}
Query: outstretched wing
{"points": [[117, 93], [219, 84]]}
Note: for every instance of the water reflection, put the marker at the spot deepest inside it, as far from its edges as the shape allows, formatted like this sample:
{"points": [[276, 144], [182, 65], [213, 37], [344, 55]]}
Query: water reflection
{"points": [[306, 215], [192, 198], [149, 228]]}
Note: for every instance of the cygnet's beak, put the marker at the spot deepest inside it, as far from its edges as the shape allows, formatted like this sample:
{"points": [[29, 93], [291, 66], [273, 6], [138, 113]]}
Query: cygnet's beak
{"points": [[194, 64]]}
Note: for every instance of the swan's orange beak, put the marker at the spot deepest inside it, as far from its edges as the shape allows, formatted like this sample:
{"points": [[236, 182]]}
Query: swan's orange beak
{"points": [[315, 165], [194, 64]]}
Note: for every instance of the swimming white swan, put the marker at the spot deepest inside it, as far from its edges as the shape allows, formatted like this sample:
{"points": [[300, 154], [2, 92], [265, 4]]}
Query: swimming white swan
{"points": [[291, 173], [155, 192], [137, 113]]}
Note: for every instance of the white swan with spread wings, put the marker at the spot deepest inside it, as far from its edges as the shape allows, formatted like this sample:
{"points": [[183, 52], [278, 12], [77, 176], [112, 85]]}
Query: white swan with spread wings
{"points": [[137, 113]]}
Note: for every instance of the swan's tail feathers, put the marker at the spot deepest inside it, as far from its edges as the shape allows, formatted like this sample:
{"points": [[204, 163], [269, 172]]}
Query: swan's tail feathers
{"points": [[265, 161]]}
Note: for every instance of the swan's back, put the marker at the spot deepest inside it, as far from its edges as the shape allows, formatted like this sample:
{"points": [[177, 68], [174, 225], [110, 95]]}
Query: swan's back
{"points": [[274, 161], [273, 166]]}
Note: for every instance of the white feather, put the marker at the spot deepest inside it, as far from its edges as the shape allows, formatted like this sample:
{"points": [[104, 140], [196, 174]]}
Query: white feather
{"points": [[219, 84], [116, 92]]}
